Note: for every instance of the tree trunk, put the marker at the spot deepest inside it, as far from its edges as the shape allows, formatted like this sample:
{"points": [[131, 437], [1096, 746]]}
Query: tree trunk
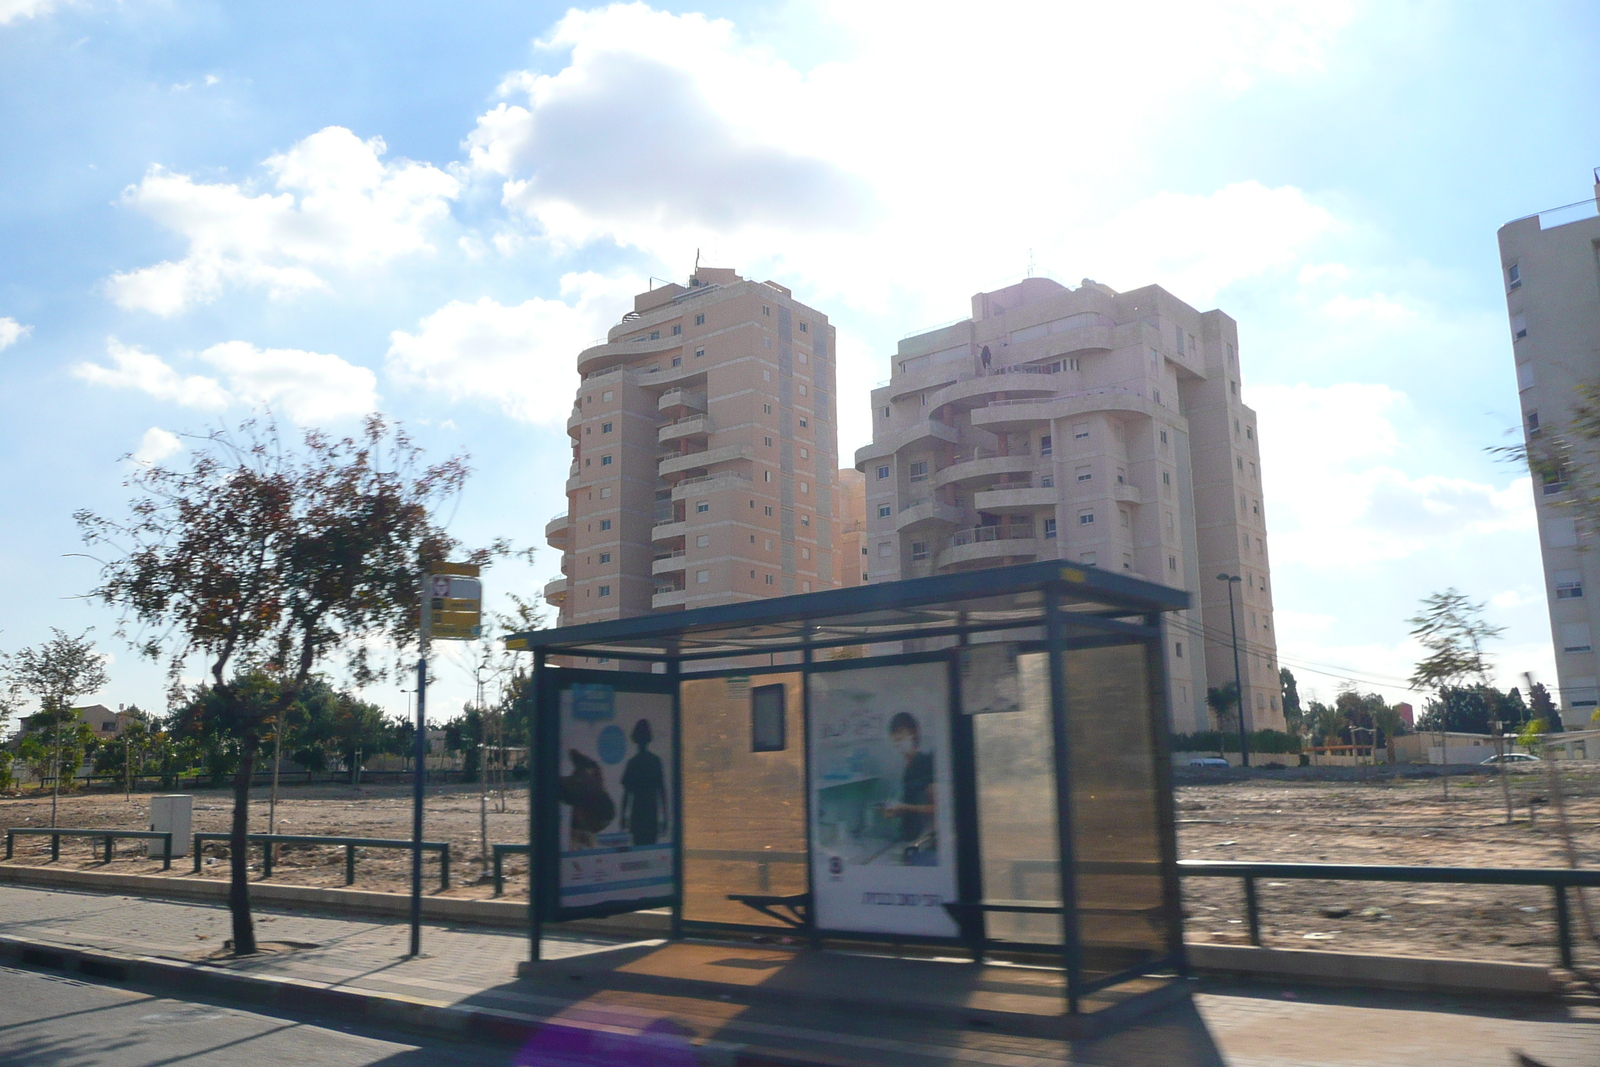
{"points": [[244, 933]]}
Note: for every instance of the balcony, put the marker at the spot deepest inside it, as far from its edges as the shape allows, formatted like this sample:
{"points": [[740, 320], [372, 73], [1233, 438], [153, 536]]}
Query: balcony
{"points": [[988, 545], [1004, 416], [926, 431], [667, 596], [669, 530], [975, 391], [711, 483], [607, 355], [927, 512], [672, 563], [982, 465], [1018, 499], [689, 427], [1128, 494], [710, 457], [682, 401], [574, 421], [556, 591], [557, 530]]}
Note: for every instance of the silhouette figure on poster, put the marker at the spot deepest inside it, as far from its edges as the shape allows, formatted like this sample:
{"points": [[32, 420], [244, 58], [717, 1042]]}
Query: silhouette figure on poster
{"points": [[592, 807], [644, 790]]}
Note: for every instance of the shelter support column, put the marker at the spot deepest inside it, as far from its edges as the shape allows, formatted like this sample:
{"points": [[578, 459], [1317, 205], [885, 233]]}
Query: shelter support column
{"points": [[535, 737], [1071, 946]]}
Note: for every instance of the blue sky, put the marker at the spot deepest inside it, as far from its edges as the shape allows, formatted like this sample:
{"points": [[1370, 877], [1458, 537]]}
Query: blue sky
{"points": [[208, 207]]}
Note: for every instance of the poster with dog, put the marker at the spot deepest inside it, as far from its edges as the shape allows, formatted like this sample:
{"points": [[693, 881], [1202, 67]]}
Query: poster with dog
{"points": [[618, 812]]}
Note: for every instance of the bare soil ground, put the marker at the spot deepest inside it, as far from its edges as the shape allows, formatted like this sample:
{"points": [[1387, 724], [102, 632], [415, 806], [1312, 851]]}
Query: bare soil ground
{"points": [[1387, 820]]}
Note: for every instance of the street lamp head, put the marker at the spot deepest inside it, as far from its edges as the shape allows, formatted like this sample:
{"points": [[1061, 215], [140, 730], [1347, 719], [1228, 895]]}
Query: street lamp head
{"points": [[1228, 578]]}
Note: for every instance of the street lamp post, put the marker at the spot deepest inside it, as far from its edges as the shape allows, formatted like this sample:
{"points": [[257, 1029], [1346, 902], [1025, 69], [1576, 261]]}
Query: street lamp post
{"points": [[1238, 682]]}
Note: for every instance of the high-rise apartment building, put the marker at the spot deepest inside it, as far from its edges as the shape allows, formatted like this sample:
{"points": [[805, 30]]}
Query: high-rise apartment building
{"points": [[704, 453], [1088, 425], [1550, 267]]}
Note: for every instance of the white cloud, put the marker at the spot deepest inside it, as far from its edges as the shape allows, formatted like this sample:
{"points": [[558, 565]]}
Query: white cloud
{"points": [[156, 445], [11, 10], [135, 369], [520, 358], [338, 205], [1336, 496], [12, 331], [307, 387]]}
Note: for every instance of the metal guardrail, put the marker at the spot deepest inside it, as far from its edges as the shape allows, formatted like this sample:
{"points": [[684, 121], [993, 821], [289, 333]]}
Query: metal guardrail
{"points": [[349, 844], [762, 858], [1557, 879], [56, 833]]}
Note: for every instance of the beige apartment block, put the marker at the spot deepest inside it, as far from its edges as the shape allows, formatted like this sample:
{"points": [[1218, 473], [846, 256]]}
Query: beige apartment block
{"points": [[1550, 267], [704, 454], [849, 566], [1088, 425]]}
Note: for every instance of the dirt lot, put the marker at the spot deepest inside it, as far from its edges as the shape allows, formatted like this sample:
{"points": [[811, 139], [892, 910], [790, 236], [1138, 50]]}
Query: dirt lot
{"points": [[1230, 816]]}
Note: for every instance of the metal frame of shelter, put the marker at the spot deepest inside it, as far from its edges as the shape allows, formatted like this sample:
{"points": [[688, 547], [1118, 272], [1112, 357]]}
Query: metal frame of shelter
{"points": [[1099, 636]]}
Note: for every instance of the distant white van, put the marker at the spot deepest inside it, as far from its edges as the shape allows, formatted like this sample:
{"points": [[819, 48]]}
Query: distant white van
{"points": [[1209, 761]]}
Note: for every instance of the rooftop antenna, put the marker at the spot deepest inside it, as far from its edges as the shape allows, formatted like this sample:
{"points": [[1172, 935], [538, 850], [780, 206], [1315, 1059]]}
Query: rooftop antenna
{"points": [[1030, 262]]}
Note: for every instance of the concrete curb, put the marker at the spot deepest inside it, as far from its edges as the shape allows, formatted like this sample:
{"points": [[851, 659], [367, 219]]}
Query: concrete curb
{"points": [[509, 914], [1417, 973]]}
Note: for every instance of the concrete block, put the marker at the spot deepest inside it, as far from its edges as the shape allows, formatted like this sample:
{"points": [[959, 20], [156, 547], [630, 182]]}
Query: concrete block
{"points": [[1384, 972]]}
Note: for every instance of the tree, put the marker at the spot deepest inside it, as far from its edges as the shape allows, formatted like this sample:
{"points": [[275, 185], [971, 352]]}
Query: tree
{"points": [[258, 556], [1451, 630], [1292, 714], [57, 672], [1223, 701], [1543, 709]]}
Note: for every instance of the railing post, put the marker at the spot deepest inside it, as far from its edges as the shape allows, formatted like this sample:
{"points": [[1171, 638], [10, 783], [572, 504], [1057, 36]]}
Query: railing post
{"points": [[349, 865], [1252, 911], [1563, 927], [11, 840], [199, 847], [444, 867], [109, 839], [266, 858], [55, 847], [499, 877], [166, 851]]}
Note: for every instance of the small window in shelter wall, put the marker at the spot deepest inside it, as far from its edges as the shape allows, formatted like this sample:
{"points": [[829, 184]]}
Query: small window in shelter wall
{"points": [[766, 719]]}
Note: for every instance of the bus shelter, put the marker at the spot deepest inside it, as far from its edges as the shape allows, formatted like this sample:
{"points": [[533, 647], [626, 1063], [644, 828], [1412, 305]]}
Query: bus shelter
{"points": [[974, 760]]}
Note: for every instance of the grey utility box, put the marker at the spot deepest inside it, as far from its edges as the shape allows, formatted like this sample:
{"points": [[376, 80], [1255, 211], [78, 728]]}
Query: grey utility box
{"points": [[174, 813]]}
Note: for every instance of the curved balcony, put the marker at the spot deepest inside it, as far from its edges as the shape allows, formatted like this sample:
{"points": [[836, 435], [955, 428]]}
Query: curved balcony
{"points": [[687, 428], [923, 513], [1022, 499], [556, 591], [1005, 416], [984, 467], [988, 544], [927, 431], [675, 563], [574, 421], [680, 402], [670, 530], [668, 597], [710, 457], [609, 354], [557, 531], [975, 391]]}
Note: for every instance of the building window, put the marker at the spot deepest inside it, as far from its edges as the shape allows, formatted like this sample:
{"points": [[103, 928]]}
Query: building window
{"points": [[805, 520], [1074, 364], [677, 361], [1178, 649], [1233, 387], [919, 471], [805, 453], [1569, 585], [765, 310], [605, 492], [805, 553], [1172, 563], [804, 328], [1163, 437], [605, 524], [886, 412], [884, 511], [804, 424], [1047, 481], [1126, 521], [767, 578], [1533, 423], [1238, 461], [1085, 474], [676, 330], [1089, 559], [655, 335], [1156, 393], [702, 577], [766, 409], [1519, 326], [1049, 528], [805, 487], [605, 590], [919, 550], [766, 719], [1122, 476], [1080, 431], [703, 506], [767, 510], [703, 541], [1233, 355], [1045, 447], [1085, 518], [766, 476], [1514, 276], [767, 441], [1249, 433], [883, 472], [700, 320], [1575, 637], [605, 461], [699, 352], [1166, 478], [605, 557], [605, 427]]}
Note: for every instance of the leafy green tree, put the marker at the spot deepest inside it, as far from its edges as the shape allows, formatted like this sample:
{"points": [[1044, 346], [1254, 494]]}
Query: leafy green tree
{"points": [[1324, 722], [57, 672], [1452, 632], [1543, 709], [1292, 713], [260, 556], [1223, 700], [359, 730]]}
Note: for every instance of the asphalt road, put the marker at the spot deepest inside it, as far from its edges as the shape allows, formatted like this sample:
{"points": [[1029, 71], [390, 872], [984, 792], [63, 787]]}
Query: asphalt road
{"points": [[48, 1019]]}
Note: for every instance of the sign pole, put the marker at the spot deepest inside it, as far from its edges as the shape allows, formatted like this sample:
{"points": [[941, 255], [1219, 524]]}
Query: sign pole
{"points": [[419, 758]]}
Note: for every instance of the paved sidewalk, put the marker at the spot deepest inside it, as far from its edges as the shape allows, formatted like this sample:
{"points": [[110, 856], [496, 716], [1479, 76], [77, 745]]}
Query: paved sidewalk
{"points": [[469, 971]]}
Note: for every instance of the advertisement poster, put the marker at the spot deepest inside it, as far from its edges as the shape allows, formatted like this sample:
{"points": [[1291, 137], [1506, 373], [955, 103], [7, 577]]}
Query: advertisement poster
{"points": [[883, 826], [989, 679], [617, 813]]}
